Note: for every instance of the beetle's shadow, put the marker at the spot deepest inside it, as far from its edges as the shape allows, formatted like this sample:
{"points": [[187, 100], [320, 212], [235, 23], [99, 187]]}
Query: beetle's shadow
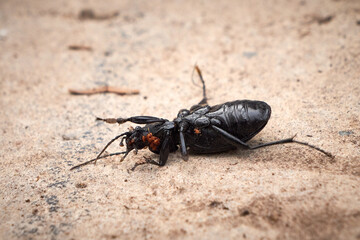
{"points": [[237, 154], [240, 153]]}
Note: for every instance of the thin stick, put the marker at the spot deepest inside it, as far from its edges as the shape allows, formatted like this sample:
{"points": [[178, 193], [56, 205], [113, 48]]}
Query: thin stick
{"points": [[104, 89], [89, 14], [80, 48]]}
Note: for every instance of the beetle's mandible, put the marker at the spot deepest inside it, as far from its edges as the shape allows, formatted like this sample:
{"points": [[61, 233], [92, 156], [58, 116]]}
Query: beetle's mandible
{"points": [[202, 129]]}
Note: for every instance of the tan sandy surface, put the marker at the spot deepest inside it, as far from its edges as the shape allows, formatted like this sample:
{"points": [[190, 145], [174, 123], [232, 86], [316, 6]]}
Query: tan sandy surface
{"points": [[301, 57]]}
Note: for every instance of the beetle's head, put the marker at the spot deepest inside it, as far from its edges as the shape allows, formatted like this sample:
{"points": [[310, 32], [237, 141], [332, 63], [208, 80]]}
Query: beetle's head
{"points": [[134, 139], [139, 138]]}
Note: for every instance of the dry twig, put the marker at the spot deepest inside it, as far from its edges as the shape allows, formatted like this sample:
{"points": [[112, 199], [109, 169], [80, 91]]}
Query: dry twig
{"points": [[104, 89]]}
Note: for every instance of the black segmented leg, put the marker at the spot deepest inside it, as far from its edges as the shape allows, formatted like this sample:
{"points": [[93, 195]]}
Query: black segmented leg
{"points": [[183, 149], [201, 104], [237, 142], [165, 150], [137, 119], [182, 126], [203, 101]]}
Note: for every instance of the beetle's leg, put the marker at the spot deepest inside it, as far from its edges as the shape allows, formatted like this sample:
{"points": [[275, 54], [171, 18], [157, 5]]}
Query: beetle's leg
{"points": [[231, 138], [237, 142], [165, 149], [137, 119], [317, 148], [184, 153], [203, 101]]}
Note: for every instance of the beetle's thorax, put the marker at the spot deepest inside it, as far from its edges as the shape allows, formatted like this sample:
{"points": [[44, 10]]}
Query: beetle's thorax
{"points": [[196, 119]]}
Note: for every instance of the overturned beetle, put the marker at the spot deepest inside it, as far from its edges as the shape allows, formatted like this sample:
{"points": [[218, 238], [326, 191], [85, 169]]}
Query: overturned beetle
{"points": [[202, 129]]}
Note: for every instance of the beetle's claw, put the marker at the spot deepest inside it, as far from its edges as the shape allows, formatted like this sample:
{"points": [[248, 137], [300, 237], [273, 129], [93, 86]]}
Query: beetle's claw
{"points": [[141, 163], [185, 157], [148, 160]]}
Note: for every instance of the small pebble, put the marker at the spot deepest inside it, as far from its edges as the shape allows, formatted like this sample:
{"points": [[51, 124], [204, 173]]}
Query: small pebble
{"points": [[68, 137], [249, 54], [81, 185], [346, 133]]}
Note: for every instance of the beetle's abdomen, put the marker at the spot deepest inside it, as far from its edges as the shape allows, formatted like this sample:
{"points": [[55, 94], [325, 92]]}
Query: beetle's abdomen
{"points": [[242, 118]]}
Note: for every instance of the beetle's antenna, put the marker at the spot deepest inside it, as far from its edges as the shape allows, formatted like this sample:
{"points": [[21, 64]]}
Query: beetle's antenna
{"points": [[109, 143], [126, 153], [102, 151], [95, 159]]}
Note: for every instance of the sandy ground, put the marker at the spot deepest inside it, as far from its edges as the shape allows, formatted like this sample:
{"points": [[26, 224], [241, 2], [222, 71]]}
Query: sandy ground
{"points": [[301, 57]]}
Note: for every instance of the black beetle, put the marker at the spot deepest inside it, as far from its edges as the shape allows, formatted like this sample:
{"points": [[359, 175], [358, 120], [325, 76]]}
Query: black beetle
{"points": [[202, 129]]}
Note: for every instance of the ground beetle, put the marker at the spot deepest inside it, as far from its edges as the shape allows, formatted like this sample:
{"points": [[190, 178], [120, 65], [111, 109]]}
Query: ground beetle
{"points": [[202, 129]]}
